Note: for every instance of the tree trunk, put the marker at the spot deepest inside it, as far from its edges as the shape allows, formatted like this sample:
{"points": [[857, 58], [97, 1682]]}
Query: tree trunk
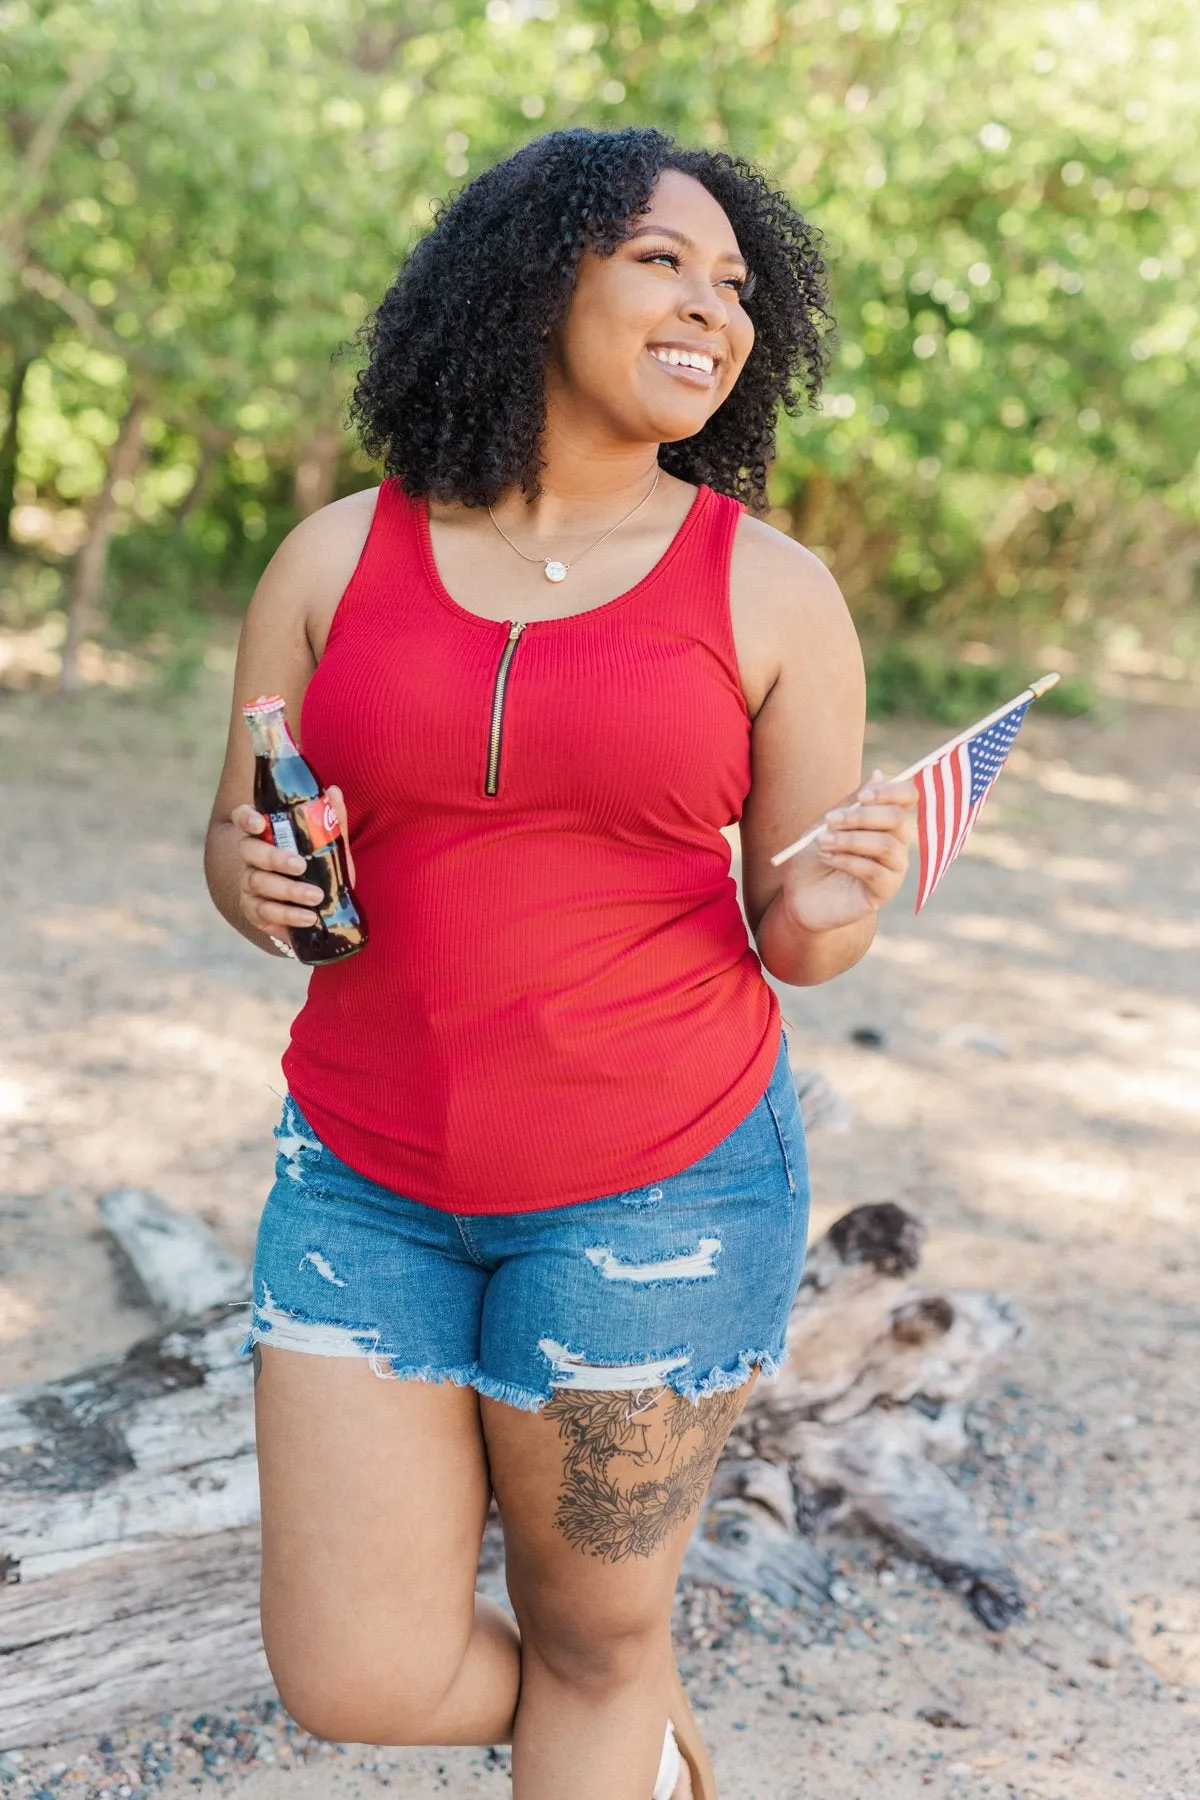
{"points": [[316, 472], [129, 1490], [92, 560], [10, 448], [198, 492], [810, 516]]}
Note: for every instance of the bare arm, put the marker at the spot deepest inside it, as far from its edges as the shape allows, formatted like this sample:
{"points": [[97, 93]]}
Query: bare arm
{"points": [[253, 885], [816, 915]]}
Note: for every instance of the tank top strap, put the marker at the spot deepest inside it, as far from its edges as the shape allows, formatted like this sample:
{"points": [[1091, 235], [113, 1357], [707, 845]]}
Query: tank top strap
{"points": [[392, 541], [715, 531], [390, 554], [694, 588]]}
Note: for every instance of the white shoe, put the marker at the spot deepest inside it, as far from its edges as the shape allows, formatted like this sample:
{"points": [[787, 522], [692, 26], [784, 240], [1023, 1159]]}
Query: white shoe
{"points": [[669, 1768]]}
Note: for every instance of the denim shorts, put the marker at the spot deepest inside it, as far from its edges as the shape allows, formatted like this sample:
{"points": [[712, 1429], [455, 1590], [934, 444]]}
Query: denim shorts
{"points": [[685, 1284]]}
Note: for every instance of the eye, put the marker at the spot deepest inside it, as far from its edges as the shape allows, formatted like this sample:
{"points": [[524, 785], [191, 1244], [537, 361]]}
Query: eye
{"points": [[742, 285], [670, 257]]}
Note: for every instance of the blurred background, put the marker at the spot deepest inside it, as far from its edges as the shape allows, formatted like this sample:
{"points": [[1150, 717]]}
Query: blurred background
{"points": [[199, 201], [202, 199]]}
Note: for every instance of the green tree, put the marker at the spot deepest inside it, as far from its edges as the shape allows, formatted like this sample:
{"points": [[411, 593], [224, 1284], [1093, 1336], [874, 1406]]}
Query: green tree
{"points": [[199, 200]]}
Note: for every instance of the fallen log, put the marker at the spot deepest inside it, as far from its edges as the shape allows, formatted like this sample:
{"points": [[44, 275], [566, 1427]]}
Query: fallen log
{"points": [[108, 1642], [129, 1495], [874, 1387], [175, 1259]]}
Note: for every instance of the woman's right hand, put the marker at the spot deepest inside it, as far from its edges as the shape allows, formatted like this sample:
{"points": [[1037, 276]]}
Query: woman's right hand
{"points": [[272, 893]]}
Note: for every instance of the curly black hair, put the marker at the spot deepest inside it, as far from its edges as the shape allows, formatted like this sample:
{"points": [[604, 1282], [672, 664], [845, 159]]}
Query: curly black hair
{"points": [[450, 422]]}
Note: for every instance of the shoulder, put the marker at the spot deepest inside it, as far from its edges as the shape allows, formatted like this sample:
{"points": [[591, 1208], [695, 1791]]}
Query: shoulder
{"points": [[299, 590], [786, 607], [322, 549], [782, 573]]}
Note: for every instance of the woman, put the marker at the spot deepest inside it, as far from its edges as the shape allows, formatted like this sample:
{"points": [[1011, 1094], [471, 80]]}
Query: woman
{"points": [[541, 1195]]}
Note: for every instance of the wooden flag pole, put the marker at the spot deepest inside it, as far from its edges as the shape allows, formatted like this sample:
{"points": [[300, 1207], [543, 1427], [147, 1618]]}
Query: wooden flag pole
{"points": [[1034, 692]]}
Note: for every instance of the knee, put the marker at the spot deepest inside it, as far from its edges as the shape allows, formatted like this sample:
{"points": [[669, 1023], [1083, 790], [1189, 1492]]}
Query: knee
{"points": [[345, 1701], [596, 1657]]}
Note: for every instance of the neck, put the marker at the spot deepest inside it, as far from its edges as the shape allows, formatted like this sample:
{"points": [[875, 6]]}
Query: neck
{"points": [[586, 483]]}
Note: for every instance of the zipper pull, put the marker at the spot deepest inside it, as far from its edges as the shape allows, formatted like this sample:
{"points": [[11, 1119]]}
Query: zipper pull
{"points": [[515, 630]]}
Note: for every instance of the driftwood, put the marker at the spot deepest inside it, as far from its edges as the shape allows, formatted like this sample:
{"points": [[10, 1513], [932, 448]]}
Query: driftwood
{"points": [[129, 1496], [874, 1388], [178, 1265]]}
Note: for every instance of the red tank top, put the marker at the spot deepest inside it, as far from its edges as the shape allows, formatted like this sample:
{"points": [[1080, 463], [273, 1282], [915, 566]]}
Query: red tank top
{"points": [[559, 999]]}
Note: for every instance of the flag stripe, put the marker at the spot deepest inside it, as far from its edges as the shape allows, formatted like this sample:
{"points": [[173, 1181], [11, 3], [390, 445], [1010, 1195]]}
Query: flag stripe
{"points": [[951, 793], [925, 809]]}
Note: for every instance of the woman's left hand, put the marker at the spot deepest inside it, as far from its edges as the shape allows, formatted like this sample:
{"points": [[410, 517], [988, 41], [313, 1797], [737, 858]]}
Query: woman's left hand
{"points": [[859, 861]]}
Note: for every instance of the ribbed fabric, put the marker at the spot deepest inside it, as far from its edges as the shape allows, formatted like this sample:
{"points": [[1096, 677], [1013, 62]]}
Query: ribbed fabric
{"points": [[559, 999]]}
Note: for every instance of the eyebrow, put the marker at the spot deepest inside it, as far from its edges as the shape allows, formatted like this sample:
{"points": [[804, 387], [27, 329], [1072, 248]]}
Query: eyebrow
{"points": [[680, 237]]}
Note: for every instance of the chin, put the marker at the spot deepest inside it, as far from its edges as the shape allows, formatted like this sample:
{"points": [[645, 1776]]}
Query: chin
{"points": [[673, 427]]}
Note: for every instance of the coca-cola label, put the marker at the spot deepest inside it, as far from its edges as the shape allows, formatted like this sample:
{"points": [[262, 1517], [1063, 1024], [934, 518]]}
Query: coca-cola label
{"points": [[306, 828], [319, 819]]}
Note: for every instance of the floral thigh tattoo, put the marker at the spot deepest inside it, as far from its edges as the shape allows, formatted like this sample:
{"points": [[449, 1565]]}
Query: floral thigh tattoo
{"points": [[635, 1470]]}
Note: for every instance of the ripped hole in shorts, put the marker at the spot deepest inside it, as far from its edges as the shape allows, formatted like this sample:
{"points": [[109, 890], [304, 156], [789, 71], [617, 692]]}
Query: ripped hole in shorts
{"points": [[699, 1264], [571, 1369], [271, 1325], [294, 1143]]}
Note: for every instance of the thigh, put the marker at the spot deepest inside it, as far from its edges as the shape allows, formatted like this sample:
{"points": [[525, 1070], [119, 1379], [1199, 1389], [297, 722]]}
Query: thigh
{"points": [[374, 1498], [374, 1488], [598, 1493]]}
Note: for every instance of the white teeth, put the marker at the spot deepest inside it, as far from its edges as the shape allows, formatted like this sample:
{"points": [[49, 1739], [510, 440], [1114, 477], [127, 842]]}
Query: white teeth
{"points": [[688, 359]]}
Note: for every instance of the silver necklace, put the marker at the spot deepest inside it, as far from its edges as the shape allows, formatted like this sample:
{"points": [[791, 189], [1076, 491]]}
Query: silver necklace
{"points": [[554, 568]]}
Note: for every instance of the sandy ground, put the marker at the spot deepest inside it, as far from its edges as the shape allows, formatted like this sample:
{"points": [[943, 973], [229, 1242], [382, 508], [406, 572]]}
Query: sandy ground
{"points": [[1035, 1098]]}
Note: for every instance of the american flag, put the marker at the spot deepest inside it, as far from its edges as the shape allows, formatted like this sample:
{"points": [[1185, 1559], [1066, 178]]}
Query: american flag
{"points": [[951, 792]]}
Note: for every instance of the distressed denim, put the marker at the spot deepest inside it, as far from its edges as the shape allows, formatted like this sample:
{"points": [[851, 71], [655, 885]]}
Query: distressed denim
{"points": [[685, 1284]]}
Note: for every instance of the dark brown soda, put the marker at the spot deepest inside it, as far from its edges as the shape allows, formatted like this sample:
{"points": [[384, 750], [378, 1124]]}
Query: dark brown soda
{"points": [[301, 818]]}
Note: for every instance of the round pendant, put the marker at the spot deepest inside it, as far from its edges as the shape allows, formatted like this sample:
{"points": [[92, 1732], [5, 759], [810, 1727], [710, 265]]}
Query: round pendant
{"points": [[556, 571]]}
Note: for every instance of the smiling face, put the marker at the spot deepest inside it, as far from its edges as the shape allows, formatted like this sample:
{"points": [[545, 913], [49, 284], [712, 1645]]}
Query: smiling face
{"points": [[656, 334]]}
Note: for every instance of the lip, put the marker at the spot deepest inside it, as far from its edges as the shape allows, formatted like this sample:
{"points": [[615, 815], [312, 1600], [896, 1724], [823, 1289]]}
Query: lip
{"points": [[701, 378]]}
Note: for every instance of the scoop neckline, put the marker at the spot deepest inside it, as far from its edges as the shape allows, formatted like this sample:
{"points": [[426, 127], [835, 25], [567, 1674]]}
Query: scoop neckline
{"points": [[442, 593]]}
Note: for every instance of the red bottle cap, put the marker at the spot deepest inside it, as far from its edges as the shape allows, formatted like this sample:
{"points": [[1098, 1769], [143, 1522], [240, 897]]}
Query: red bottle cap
{"points": [[264, 704]]}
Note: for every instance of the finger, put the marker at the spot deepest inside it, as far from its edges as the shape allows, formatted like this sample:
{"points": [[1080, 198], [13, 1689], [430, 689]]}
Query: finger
{"points": [[271, 914], [894, 793], [879, 846], [247, 819], [867, 817], [277, 887], [260, 855], [876, 877]]}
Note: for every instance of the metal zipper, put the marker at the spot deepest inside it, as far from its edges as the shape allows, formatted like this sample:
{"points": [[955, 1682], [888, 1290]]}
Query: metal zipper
{"points": [[492, 785]]}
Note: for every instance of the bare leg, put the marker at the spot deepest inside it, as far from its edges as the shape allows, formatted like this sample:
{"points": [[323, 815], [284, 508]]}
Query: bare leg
{"points": [[374, 1497], [598, 1494]]}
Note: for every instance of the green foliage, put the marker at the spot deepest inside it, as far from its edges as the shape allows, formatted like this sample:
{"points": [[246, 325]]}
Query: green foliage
{"points": [[199, 200], [919, 678]]}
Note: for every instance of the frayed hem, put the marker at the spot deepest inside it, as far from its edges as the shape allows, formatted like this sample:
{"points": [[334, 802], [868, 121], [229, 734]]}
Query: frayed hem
{"points": [[508, 1394], [459, 1378], [380, 1364], [524, 1399], [724, 1381]]}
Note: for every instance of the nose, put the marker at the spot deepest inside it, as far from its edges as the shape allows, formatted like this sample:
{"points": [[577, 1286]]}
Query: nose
{"points": [[703, 306]]}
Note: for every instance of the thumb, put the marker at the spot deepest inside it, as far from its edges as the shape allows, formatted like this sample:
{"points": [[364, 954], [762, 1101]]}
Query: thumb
{"points": [[249, 820]]}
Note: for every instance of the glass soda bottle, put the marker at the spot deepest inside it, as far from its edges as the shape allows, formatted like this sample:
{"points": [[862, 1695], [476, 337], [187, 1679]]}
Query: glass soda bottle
{"points": [[300, 817]]}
